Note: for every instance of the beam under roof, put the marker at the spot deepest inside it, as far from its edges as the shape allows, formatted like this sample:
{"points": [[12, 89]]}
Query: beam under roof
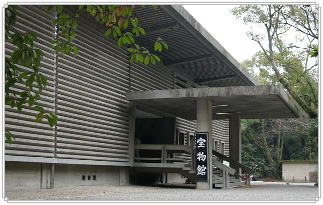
{"points": [[210, 80], [188, 60]]}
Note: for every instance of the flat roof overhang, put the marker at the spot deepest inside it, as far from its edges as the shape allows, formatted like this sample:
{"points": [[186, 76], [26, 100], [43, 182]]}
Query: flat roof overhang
{"points": [[250, 102]]}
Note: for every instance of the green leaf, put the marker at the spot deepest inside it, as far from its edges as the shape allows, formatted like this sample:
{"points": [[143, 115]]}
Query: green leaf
{"points": [[53, 116], [39, 117], [132, 50], [114, 33], [120, 41], [24, 74], [156, 57], [26, 39], [19, 108], [59, 8], [152, 59], [12, 104], [49, 7], [117, 29], [9, 136], [37, 97], [76, 50], [31, 42], [7, 100], [142, 31], [132, 58], [32, 35], [31, 100], [125, 24], [38, 81], [24, 94], [81, 7], [30, 81], [160, 48], [126, 40], [43, 79], [89, 8], [155, 7], [52, 119], [141, 58], [28, 58], [39, 108], [146, 62], [68, 49], [156, 46], [165, 44], [134, 22], [74, 24], [107, 33]]}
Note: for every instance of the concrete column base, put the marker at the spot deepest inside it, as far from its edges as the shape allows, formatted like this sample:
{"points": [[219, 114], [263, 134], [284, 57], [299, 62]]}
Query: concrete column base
{"points": [[45, 176], [124, 176], [203, 185]]}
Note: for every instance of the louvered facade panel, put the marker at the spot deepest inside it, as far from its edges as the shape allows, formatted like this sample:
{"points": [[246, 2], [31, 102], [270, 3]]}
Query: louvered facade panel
{"points": [[220, 133], [91, 104], [150, 77], [33, 139]]}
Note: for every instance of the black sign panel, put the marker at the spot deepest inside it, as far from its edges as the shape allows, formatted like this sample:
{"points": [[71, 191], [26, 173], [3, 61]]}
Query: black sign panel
{"points": [[201, 156]]}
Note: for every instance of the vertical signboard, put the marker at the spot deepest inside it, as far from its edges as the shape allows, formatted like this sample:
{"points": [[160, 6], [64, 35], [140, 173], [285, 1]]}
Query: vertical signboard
{"points": [[201, 156]]}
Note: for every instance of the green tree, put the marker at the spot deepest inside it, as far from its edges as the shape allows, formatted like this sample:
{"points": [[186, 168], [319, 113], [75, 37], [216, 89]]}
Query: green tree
{"points": [[289, 59], [24, 80], [265, 143]]}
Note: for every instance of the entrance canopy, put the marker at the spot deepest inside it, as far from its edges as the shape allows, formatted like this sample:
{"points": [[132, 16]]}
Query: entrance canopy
{"points": [[250, 102]]}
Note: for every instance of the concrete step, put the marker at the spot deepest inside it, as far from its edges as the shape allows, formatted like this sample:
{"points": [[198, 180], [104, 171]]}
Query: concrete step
{"points": [[237, 184]]}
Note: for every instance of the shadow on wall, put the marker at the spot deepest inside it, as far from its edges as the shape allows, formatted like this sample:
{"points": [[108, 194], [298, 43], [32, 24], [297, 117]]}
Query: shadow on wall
{"points": [[144, 178]]}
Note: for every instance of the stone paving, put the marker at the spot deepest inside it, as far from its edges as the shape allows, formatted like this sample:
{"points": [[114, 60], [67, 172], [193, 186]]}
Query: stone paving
{"points": [[258, 191]]}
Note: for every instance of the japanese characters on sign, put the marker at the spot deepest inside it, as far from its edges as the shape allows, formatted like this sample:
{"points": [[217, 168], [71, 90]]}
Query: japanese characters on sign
{"points": [[201, 156]]}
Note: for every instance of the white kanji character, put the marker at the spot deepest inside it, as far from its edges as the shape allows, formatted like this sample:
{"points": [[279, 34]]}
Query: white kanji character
{"points": [[201, 156], [201, 142], [201, 170]]}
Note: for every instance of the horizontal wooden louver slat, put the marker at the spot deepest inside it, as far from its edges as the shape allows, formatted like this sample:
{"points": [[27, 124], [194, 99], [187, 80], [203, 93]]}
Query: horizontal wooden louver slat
{"points": [[33, 139], [93, 113], [91, 104]]}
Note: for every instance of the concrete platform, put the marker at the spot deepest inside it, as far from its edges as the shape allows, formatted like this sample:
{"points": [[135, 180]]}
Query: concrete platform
{"points": [[250, 102]]}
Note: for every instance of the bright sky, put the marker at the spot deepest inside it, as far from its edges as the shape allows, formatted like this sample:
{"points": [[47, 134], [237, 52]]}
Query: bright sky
{"points": [[225, 28]]}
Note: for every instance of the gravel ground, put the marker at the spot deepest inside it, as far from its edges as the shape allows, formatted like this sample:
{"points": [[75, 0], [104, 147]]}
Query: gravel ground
{"points": [[258, 191]]}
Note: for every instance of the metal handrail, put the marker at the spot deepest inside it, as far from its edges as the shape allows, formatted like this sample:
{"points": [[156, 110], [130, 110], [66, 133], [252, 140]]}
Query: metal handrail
{"points": [[233, 162], [223, 167], [165, 150]]}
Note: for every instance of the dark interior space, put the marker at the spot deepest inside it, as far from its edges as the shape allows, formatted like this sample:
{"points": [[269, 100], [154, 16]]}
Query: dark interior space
{"points": [[155, 130]]}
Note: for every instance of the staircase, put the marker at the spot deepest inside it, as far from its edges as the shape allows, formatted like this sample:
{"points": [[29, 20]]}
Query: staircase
{"points": [[223, 175], [219, 181]]}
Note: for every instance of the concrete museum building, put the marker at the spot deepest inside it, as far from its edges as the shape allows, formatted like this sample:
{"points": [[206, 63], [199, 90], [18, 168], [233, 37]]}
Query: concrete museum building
{"points": [[193, 99]]}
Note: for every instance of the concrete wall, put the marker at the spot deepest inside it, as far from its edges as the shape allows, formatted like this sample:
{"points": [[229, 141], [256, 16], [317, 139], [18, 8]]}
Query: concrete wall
{"points": [[66, 175], [20, 175], [298, 171], [175, 178]]}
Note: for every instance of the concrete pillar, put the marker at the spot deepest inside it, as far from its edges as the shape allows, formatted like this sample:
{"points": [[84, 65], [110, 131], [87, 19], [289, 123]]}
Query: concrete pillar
{"points": [[52, 174], [235, 139], [204, 124], [45, 174], [132, 126], [124, 176]]}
